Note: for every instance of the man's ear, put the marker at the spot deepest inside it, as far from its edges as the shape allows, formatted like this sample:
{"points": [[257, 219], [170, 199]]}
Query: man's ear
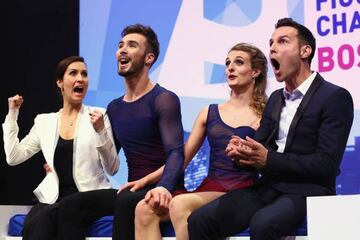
{"points": [[305, 51], [149, 59]]}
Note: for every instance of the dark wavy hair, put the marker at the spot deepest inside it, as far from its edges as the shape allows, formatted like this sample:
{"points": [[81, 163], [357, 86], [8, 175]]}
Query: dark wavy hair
{"points": [[153, 44], [63, 65]]}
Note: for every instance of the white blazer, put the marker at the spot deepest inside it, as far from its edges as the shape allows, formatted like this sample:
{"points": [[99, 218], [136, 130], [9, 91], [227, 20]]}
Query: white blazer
{"points": [[94, 153]]}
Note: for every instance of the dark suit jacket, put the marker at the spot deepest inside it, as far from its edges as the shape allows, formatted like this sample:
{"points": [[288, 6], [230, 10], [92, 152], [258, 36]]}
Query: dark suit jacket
{"points": [[315, 143]]}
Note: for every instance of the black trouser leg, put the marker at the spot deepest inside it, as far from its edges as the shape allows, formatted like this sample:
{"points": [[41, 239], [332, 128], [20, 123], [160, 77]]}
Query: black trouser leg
{"points": [[279, 218], [40, 222], [79, 210], [123, 225]]}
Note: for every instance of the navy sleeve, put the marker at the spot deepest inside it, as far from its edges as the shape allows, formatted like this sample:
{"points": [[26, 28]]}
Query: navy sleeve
{"points": [[167, 106]]}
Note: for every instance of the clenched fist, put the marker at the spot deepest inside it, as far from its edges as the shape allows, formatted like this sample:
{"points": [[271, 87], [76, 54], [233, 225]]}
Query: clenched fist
{"points": [[15, 102], [97, 120]]}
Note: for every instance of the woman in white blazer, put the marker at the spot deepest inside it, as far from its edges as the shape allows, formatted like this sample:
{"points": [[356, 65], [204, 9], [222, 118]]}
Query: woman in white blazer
{"points": [[78, 147]]}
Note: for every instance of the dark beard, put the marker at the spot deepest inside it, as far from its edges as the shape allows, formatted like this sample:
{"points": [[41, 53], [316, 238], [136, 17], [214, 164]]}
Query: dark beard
{"points": [[134, 69]]}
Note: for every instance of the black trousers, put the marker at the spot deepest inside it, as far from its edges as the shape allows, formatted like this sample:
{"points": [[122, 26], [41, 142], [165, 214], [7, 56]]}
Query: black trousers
{"points": [[41, 222], [123, 225], [70, 218], [269, 214]]}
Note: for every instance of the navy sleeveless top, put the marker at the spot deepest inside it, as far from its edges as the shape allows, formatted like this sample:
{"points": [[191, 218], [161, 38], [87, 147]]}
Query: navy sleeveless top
{"points": [[221, 168]]}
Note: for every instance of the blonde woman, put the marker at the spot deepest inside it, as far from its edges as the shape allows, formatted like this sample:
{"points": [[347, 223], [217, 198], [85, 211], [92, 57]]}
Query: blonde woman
{"points": [[246, 74]]}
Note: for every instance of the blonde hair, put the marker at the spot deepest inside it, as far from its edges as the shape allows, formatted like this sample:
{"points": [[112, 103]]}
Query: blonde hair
{"points": [[258, 61]]}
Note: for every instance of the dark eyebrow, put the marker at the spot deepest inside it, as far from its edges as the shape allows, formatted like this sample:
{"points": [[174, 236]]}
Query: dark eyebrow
{"points": [[77, 70], [130, 41], [133, 42], [279, 37], [283, 36]]}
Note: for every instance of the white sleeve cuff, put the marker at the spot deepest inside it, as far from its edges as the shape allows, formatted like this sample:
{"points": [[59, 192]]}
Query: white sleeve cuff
{"points": [[102, 138], [12, 115]]}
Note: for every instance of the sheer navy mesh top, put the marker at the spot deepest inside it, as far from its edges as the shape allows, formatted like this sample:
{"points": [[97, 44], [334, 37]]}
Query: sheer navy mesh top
{"points": [[151, 134], [221, 168]]}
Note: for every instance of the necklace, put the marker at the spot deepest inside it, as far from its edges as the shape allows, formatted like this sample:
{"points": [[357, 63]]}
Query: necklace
{"points": [[68, 121], [71, 122]]}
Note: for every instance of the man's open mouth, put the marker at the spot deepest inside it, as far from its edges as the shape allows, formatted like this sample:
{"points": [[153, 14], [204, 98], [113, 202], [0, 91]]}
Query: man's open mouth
{"points": [[275, 64]]}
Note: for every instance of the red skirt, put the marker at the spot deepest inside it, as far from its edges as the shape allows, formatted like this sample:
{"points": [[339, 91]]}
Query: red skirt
{"points": [[209, 185]]}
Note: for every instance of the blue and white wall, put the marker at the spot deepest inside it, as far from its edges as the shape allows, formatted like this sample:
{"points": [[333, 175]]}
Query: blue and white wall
{"points": [[195, 36]]}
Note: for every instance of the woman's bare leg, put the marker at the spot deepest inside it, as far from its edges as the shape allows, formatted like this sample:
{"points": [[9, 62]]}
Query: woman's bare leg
{"points": [[181, 206]]}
